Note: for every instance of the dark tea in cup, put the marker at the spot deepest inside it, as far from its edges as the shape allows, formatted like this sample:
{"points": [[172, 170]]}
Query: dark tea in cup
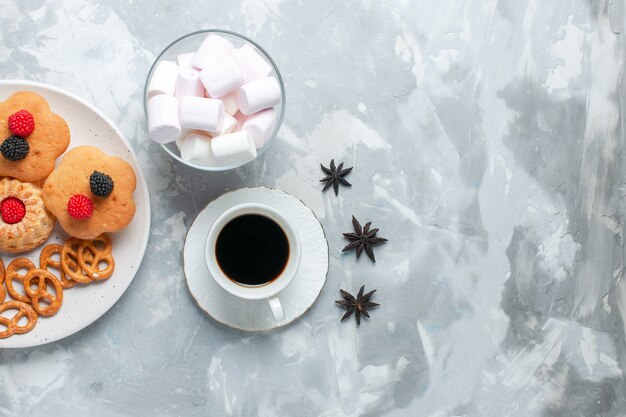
{"points": [[252, 250]]}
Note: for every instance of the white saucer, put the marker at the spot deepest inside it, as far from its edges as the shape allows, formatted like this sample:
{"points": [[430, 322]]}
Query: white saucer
{"points": [[256, 315]]}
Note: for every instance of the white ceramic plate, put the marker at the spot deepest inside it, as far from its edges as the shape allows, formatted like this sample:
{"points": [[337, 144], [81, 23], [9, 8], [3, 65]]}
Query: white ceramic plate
{"points": [[256, 315], [82, 305]]}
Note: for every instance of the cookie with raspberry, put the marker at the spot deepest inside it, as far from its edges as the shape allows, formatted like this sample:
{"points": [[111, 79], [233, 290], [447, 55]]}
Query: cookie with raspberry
{"points": [[32, 137], [25, 223], [91, 193]]}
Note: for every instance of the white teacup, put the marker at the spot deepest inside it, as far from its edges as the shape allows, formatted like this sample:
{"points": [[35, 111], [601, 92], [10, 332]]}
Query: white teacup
{"points": [[271, 290]]}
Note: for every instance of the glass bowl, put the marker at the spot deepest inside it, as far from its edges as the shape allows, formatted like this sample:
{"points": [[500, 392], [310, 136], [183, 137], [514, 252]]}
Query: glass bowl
{"points": [[190, 43]]}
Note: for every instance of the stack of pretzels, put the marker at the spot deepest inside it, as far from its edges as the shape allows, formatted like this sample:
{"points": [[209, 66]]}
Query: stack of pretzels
{"points": [[78, 262]]}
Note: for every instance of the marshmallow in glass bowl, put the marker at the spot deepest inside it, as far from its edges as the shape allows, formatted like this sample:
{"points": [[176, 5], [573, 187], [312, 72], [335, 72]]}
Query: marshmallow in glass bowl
{"points": [[214, 100]]}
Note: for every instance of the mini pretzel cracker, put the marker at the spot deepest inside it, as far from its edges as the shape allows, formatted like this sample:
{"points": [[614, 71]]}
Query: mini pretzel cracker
{"points": [[79, 262], [69, 261], [12, 274], [47, 262], [3, 291], [11, 324], [90, 256], [42, 278]]}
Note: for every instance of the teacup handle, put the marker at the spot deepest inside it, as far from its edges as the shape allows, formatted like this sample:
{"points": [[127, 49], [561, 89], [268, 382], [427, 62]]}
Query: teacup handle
{"points": [[277, 308]]}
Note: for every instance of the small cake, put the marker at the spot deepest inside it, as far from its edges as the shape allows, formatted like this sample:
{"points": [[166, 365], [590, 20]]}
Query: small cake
{"points": [[32, 137], [25, 223], [91, 193]]}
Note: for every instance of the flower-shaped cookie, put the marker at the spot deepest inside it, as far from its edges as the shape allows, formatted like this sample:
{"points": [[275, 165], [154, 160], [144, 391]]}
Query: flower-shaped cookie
{"points": [[30, 158], [91, 193]]}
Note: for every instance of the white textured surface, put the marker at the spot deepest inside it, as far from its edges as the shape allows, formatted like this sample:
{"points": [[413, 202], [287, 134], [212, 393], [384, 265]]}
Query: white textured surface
{"points": [[488, 146]]}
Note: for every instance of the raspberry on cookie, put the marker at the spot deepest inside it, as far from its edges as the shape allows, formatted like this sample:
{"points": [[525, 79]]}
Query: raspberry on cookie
{"points": [[32, 137], [91, 193], [22, 123]]}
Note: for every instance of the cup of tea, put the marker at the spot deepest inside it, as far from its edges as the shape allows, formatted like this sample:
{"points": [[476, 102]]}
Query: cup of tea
{"points": [[253, 252]]}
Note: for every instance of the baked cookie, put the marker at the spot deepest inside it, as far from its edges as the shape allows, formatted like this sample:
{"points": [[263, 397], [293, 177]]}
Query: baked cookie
{"points": [[31, 137], [25, 223], [91, 193]]}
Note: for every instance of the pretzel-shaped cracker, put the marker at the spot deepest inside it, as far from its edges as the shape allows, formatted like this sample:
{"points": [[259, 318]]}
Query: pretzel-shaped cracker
{"points": [[12, 274], [23, 310], [3, 291], [69, 261], [41, 277], [47, 262], [90, 256]]}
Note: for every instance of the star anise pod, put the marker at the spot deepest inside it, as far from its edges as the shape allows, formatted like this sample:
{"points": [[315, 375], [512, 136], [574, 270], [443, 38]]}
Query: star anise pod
{"points": [[363, 239], [335, 176], [358, 305]]}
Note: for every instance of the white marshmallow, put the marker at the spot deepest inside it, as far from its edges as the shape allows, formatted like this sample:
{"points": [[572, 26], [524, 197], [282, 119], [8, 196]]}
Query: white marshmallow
{"points": [[230, 103], [197, 149], [201, 113], [228, 126], [163, 80], [261, 125], [213, 49], [180, 140], [251, 63], [258, 95], [163, 118], [241, 119], [188, 84], [233, 149], [184, 61], [222, 77]]}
